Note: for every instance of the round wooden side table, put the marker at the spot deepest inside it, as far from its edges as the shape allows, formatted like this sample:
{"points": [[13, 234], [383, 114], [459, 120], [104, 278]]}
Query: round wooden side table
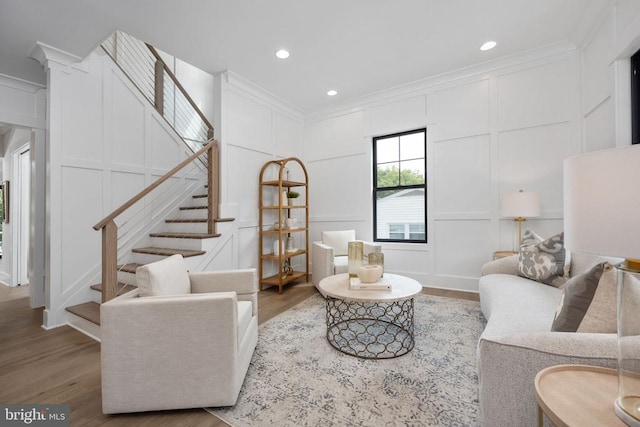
{"points": [[577, 395]]}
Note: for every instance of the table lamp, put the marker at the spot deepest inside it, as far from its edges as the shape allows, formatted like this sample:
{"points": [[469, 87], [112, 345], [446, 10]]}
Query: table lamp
{"points": [[520, 206], [602, 216]]}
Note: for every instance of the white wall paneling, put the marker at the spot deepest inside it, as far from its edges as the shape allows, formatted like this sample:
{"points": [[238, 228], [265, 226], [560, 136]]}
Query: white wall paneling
{"points": [[487, 133], [531, 159], [461, 174], [599, 127]]}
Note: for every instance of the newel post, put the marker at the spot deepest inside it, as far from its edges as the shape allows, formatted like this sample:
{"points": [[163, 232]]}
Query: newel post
{"points": [[159, 87], [212, 172], [109, 261]]}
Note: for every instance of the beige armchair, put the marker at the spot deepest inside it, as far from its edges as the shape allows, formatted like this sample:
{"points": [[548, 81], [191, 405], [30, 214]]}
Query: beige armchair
{"points": [[329, 257], [164, 348]]}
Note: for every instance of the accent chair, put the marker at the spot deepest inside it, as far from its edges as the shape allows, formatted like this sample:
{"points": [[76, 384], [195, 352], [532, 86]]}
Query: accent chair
{"points": [[181, 340], [330, 256]]}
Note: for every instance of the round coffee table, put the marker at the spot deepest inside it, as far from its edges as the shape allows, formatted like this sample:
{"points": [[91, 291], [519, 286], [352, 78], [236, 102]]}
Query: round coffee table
{"points": [[370, 324]]}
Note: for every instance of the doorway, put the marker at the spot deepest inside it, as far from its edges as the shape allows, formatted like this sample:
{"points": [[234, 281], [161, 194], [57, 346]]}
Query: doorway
{"points": [[22, 214]]}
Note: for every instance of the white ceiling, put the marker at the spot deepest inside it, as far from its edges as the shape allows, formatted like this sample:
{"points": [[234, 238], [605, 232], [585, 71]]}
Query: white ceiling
{"points": [[354, 46]]}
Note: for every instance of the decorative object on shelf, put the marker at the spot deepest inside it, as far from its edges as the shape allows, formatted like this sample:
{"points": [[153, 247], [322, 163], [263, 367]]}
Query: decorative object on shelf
{"points": [[283, 198], [355, 253], [601, 207], [369, 273], [292, 196], [290, 223], [276, 247], [377, 258], [277, 225], [520, 206], [290, 247], [286, 268]]}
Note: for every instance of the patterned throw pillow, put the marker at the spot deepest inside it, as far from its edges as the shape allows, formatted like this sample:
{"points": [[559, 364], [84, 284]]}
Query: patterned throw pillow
{"points": [[529, 237], [545, 262], [588, 302]]}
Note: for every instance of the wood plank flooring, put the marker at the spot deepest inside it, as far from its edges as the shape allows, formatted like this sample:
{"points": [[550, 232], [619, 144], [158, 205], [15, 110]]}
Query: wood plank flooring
{"points": [[63, 366]]}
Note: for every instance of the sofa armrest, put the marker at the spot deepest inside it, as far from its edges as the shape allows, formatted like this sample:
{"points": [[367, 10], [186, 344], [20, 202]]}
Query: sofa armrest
{"points": [[321, 262], [243, 282], [507, 366], [506, 265]]}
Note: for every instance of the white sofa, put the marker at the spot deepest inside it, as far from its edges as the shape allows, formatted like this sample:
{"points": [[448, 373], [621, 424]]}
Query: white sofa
{"points": [[517, 341], [179, 351], [329, 256]]}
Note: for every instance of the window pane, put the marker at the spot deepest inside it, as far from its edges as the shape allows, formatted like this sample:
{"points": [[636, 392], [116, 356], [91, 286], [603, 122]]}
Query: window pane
{"points": [[416, 231], [412, 146], [412, 172], [387, 150], [387, 175], [396, 208]]}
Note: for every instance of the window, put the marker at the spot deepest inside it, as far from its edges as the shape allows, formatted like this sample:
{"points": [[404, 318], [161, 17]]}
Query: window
{"points": [[399, 187]]}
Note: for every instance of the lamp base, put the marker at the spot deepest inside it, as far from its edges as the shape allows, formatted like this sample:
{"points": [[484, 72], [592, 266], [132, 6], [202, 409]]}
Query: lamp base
{"points": [[624, 416]]}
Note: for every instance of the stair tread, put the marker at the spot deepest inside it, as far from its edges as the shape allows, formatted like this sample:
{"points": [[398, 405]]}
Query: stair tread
{"points": [[122, 288], [167, 251], [129, 268], [175, 235], [197, 220], [88, 310], [200, 196], [190, 208]]}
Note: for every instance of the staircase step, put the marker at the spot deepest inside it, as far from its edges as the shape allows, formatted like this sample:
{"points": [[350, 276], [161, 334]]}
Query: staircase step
{"points": [[185, 235], [122, 288], [167, 251], [89, 311], [188, 208], [129, 268], [200, 196], [197, 220]]}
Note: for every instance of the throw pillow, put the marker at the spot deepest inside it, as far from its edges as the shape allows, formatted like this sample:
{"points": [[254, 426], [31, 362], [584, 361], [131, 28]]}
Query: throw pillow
{"points": [[529, 237], [588, 302], [166, 277], [544, 262]]}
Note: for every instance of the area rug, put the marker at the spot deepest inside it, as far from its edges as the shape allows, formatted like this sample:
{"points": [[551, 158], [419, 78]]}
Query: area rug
{"points": [[296, 378]]}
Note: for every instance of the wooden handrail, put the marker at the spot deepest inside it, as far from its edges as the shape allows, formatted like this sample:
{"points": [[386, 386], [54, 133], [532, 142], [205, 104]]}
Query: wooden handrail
{"points": [[113, 215], [179, 85]]}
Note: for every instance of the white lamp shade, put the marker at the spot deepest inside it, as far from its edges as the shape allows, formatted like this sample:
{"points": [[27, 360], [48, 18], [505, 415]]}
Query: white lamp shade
{"points": [[521, 204], [602, 202]]}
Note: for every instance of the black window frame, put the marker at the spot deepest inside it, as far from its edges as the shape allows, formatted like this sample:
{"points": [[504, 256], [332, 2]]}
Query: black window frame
{"points": [[398, 187]]}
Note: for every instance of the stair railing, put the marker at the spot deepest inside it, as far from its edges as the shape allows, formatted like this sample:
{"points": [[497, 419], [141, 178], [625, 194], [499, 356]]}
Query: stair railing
{"points": [[144, 66], [110, 229]]}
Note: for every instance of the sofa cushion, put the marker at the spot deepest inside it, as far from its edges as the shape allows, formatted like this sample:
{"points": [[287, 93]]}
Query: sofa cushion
{"points": [[588, 302], [547, 262], [166, 277], [339, 241]]}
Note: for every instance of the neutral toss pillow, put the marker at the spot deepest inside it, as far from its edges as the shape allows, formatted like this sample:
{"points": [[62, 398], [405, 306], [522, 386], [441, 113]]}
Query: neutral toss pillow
{"points": [[529, 237], [166, 277], [339, 241], [545, 262], [588, 302]]}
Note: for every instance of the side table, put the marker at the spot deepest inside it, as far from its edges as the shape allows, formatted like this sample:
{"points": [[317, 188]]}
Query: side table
{"points": [[577, 395]]}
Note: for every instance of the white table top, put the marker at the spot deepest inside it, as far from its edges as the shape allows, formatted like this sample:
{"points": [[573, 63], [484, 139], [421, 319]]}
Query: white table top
{"points": [[401, 288]]}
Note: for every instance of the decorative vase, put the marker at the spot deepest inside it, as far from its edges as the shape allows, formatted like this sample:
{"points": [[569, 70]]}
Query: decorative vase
{"points": [[355, 252], [283, 198], [292, 201], [369, 273]]}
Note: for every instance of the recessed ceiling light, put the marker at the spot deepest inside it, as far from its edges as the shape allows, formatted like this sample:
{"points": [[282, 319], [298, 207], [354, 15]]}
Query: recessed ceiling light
{"points": [[282, 54], [488, 45], [332, 92]]}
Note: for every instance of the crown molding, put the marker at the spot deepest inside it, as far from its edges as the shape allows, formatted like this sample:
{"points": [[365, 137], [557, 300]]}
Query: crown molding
{"points": [[45, 54]]}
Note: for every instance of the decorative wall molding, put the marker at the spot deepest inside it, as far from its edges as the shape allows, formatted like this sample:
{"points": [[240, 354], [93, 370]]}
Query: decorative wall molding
{"points": [[45, 55]]}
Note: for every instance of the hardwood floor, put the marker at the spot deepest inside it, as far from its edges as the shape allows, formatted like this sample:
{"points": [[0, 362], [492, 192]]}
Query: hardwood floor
{"points": [[63, 366]]}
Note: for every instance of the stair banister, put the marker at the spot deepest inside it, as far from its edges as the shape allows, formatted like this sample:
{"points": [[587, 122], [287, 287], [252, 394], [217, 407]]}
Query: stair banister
{"points": [[159, 67], [110, 229]]}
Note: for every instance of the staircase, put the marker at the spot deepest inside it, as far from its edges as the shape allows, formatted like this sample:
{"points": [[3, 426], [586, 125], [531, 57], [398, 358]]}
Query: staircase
{"points": [[186, 234], [192, 230]]}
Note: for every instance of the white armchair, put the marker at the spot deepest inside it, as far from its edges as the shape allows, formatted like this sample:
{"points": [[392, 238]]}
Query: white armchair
{"points": [[330, 256], [181, 340]]}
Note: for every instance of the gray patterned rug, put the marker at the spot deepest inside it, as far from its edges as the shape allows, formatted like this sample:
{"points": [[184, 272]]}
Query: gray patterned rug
{"points": [[297, 378]]}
